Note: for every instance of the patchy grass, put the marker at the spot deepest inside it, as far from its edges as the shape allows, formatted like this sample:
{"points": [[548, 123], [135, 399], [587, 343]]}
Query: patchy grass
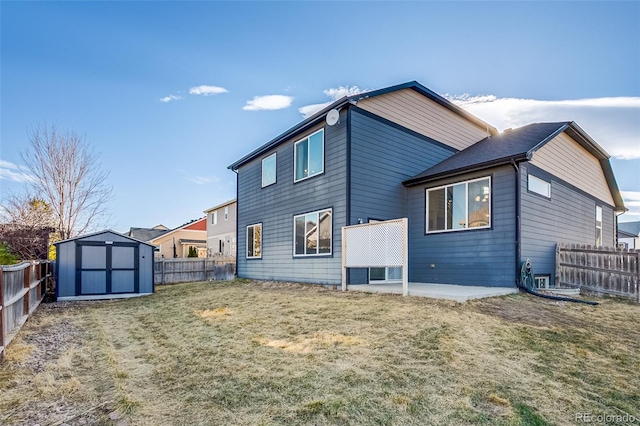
{"points": [[270, 353]]}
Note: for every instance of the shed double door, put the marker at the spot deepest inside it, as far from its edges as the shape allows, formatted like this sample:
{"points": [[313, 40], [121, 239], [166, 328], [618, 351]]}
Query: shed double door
{"points": [[106, 268]]}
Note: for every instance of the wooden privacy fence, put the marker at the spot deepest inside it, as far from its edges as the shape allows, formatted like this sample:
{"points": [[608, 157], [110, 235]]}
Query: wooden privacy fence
{"points": [[22, 287], [168, 271], [600, 270]]}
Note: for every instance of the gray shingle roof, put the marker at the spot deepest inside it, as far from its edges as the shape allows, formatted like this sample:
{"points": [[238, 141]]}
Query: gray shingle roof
{"points": [[516, 145], [146, 234], [630, 227]]}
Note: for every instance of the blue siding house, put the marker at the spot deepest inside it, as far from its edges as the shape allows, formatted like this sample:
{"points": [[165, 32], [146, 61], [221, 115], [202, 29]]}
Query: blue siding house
{"points": [[478, 202]]}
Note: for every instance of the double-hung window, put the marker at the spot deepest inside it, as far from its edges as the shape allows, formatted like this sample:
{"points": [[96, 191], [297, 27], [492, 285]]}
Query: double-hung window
{"points": [[460, 206], [269, 170], [309, 156], [254, 241], [312, 233], [598, 226]]}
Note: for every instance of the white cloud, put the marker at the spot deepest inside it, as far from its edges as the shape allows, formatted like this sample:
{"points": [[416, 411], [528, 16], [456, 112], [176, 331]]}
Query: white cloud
{"points": [[200, 180], [13, 172], [334, 93], [269, 102], [632, 202], [170, 98], [207, 90], [308, 110], [614, 123]]}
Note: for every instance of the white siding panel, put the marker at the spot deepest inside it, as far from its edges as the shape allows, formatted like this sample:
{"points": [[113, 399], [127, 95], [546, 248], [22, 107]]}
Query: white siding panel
{"points": [[414, 111], [565, 158]]}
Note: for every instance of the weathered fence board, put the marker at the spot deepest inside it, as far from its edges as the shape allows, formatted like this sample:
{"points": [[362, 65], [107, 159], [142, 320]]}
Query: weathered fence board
{"points": [[22, 287], [599, 270], [168, 271]]}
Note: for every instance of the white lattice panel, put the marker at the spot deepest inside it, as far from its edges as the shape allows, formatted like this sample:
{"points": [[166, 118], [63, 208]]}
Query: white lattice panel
{"points": [[376, 244]]}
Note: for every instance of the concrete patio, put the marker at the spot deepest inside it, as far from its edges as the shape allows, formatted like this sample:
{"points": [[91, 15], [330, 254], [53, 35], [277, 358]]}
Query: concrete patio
{"points": [[458, 293]]}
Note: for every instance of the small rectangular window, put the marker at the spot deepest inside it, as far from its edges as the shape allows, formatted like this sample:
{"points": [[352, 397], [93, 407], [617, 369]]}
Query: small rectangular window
{"points": [[214, 217], [269, 170], [312, 233], [542, 281], [539, 186], [226, 213], [459, 206], [309, 156], [254, 241], [598, 226]]}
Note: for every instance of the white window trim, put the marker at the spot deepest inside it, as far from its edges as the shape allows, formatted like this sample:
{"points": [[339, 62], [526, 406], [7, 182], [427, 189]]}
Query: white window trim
{"points": [[214, 218], [599, 225], [295, 152], [276, 170], [226, 213], [541, 281], [330, 229], [466, 206], [540, 181], [247, 238]]}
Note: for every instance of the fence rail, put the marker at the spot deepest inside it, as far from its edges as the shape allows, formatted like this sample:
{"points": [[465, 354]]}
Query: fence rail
{"points": [[599, 270], [168, 271], [22, 287]]}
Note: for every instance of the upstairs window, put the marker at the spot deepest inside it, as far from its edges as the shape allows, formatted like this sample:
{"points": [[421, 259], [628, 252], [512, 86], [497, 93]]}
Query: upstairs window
{"points": [[312, 233], [254, 241], [461, 206], [539, 186], [269, 170], [214, 218], [309, 156], [226, 213]]}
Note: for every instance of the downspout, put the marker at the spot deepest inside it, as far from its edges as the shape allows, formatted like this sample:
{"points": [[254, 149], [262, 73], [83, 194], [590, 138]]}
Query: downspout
{"points": [[518, 246], [237, 221]]}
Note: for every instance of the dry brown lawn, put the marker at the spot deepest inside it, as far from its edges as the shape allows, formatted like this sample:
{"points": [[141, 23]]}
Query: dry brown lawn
{"points": [[271, 353]]}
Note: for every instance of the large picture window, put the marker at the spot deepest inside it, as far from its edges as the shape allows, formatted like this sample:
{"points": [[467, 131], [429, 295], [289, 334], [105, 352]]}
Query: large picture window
{"points": [[254, 241], [460, 206], [312, 233], [309, 156], [269, 170]]}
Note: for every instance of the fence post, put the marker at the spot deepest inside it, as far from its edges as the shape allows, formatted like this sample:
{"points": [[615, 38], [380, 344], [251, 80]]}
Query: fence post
{"points": [[162, 275], [1, 314], [27, 282]]}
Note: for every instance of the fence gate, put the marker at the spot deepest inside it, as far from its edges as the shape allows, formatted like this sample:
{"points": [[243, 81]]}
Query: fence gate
{"points": [[376, 245]]}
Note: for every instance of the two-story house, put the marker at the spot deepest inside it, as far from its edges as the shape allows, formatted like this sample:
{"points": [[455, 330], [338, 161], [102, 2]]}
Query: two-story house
{"points": [[221, 229], [478, 202]]}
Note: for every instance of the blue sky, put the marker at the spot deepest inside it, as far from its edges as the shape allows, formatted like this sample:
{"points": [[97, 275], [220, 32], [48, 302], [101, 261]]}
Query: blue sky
{"points": [[171, 93]]}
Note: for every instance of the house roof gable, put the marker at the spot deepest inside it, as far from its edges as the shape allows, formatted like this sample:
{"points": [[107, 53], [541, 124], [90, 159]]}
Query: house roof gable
{"points": [[353, 100], [516, 146], [185, 227]]}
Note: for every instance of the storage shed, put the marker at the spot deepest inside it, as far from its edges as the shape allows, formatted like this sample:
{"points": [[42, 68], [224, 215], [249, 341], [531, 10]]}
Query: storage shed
{"points": [[103, 265]]}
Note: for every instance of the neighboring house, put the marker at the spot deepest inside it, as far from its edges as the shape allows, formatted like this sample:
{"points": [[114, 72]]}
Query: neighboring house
{"points": [[629, 234], [221, 229], [478, 202], [176, 242]]}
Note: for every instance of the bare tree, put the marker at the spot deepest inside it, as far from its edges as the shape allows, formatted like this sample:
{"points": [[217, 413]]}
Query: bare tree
{"points": [[67, 175]]}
